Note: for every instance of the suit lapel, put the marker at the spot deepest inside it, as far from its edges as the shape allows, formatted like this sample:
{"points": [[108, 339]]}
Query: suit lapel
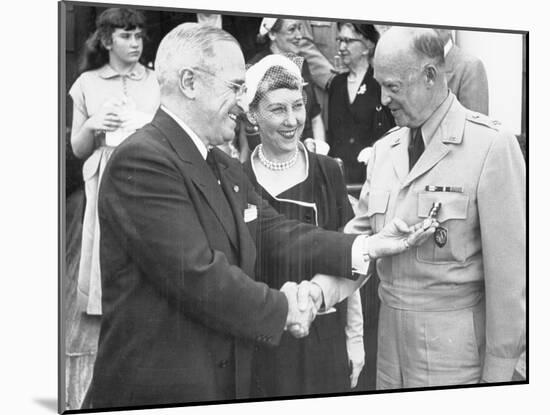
{"points": [[435, 151], [400, 155], [199, 172], [232, 184], [450, 131]]}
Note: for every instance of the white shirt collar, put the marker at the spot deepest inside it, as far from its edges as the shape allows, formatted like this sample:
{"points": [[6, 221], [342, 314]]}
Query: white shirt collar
{"points": [[448, 46], [194, 137]]}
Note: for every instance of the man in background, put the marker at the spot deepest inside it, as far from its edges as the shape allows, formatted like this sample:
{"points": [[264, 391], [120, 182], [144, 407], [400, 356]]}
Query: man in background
{"points": [[466, 75]]}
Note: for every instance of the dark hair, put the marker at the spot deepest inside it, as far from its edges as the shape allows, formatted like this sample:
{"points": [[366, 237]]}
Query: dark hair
{"points": [[368, 31], [94, 54]]}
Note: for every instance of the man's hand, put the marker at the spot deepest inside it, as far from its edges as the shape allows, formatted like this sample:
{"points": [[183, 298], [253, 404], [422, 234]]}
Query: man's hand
{"points": [[397, 237], [304, 301]]}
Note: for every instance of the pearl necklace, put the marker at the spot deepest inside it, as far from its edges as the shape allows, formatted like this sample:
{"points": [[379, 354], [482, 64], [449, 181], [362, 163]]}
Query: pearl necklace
{"points": [[277, 165]]}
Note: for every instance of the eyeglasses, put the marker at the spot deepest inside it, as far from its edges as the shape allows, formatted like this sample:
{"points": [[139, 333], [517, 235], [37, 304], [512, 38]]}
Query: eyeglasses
{"points": [[347, 40], [238, 89]]}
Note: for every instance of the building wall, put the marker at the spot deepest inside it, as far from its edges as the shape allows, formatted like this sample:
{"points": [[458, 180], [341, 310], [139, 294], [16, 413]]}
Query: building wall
{"points": [[503, 57]]}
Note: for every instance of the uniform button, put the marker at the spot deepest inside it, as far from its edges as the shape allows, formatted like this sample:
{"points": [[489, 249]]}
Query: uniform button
{"points": [[352, 140], [223, 363]]}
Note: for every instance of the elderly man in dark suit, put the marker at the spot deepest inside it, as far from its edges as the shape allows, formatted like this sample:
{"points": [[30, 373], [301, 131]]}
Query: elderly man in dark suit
{"points": [[179, 233]]}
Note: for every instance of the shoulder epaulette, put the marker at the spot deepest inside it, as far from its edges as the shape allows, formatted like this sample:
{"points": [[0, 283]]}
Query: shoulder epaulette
{"points": [[482, 119]]}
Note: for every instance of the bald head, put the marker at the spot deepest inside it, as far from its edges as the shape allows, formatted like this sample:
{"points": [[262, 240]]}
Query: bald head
{"points": [[411, 47], [408, 65]]}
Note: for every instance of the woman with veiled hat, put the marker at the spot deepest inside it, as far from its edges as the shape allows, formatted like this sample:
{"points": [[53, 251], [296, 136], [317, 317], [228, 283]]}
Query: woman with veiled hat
{"points": [[310, 188], [283, 37]]}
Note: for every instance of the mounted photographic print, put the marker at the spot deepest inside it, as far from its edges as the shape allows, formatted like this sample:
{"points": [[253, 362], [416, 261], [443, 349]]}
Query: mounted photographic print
{"points": [[259, 207]]}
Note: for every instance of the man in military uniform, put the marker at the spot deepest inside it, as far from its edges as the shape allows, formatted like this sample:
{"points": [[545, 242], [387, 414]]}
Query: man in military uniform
{"points": [[453, 309]]}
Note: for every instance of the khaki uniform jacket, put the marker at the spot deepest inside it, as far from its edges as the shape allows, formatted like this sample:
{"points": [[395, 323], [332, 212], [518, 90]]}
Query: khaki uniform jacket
{"points": [[484, 218]]}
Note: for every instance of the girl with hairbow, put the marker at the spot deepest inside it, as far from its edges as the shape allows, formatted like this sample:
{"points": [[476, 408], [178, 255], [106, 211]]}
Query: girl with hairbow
{"points": [[114, 95]]}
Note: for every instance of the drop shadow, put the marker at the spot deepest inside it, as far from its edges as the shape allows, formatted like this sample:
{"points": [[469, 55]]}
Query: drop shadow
{"points": [[48, 403]]}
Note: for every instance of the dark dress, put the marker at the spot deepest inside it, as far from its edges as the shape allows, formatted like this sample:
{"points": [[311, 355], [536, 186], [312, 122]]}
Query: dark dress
{"points": [[313, 108], [317, 363], [354, 126]]}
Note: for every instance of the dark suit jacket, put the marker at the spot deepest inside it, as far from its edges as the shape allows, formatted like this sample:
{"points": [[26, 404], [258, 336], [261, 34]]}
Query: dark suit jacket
{"points": [[467, 79], [181, 309], [354, 126]]}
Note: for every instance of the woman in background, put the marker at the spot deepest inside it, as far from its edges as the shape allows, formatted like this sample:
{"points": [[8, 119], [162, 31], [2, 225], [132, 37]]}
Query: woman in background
{"points": [[283, 37], [356, 116], [310, 188], [114, 95]]}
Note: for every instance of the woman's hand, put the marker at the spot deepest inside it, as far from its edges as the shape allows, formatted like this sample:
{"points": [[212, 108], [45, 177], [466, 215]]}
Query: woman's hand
{"points": [[107, 118], [397, 237]]}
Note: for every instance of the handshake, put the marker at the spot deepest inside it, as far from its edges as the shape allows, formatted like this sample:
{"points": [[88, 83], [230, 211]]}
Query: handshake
{"points": [[304, 301]]}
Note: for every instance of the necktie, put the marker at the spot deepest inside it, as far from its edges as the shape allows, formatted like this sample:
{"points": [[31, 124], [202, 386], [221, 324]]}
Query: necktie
{"points": [[416, 147], [211, 161]]}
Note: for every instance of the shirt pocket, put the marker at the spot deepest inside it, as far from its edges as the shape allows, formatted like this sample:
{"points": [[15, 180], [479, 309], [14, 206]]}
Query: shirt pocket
{"points": [[452, 218], [377, 208]]}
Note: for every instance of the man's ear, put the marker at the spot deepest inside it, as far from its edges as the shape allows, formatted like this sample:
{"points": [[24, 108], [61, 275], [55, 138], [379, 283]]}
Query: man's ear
{"points": [[431, 73], [186, 83]]}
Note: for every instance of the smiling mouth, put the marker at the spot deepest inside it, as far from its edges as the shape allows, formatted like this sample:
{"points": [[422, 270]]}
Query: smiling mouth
{"points": [[288, 134]]}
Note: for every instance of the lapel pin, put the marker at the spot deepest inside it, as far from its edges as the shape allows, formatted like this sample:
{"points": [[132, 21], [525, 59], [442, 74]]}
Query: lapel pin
{"points": [[236, 189]]}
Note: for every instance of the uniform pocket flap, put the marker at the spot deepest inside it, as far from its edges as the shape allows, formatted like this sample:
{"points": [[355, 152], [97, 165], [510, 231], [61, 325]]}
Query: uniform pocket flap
{"points": [[453, 205], [378, 202]]}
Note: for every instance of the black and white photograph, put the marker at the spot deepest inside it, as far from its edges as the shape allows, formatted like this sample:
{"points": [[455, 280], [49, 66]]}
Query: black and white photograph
{"points": [[280, 208], [265, 207]]}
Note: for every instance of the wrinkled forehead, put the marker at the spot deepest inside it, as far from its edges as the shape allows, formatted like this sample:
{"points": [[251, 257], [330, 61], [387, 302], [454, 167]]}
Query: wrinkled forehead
{"points": [[397, 63], [226, 56]]}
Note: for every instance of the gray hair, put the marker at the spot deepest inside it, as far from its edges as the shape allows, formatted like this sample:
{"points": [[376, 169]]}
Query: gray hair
{"points": [[189, 44], [426, 43]]}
